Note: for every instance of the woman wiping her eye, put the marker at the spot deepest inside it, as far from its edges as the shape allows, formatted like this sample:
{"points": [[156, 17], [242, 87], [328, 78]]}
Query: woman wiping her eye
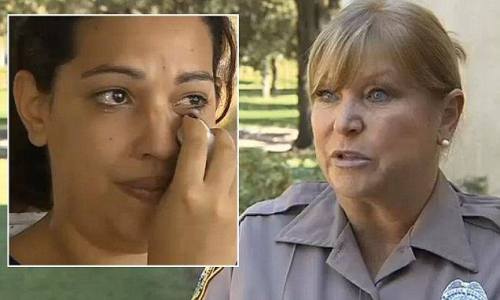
{"points": [[101, 101]]}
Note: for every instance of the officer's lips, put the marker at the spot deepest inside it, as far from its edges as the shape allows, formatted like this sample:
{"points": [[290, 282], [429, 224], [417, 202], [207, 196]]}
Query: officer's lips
{"points": [[146, 189], [350, 159]]}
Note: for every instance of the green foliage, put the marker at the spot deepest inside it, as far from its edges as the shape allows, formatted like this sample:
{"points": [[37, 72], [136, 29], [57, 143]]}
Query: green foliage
{"points": [[261, 176], [266, 175], [475, 184], [303, 164], [280, 110], [269, 28]]}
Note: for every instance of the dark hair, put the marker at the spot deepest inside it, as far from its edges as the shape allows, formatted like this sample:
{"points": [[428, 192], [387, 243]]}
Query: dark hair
{"points": [[224, 59], [40, 44]]}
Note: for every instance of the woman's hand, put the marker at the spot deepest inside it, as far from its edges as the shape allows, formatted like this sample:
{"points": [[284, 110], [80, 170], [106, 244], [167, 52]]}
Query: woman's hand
{"points": [[195, 222]]}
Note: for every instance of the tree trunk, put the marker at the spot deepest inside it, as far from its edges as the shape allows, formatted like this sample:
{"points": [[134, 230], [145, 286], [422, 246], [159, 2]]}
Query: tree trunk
{"points": [[311, 16], [266, 77], [307, 30], [274, 75]]}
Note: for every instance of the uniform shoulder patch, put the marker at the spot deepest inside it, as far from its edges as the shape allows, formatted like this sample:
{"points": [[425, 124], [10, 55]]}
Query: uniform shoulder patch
{"points": [[205, 277], [483, 211], [300, 194]]}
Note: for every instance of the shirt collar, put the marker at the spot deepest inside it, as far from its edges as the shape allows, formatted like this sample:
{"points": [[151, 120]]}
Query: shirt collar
{"points": [[439, 229], [319, 224]]}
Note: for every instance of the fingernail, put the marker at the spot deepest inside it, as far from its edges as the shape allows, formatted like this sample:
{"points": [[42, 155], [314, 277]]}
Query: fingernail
{"points": [[210, 135]]}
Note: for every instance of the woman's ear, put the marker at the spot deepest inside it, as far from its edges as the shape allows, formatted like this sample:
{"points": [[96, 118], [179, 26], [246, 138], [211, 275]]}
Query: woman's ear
{"points": [[32, 106], [452, 110]]}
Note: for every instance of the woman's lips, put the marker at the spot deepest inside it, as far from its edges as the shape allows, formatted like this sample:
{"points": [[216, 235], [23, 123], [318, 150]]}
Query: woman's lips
{"points": [[350, 159], [147, 189]]}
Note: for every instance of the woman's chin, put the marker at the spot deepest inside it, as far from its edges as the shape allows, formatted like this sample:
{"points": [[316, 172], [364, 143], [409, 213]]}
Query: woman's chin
{"points": [[353, 186], [351, 191]]}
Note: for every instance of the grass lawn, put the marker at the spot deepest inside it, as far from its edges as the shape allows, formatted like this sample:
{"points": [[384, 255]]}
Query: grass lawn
{"points": [[278, 111]]}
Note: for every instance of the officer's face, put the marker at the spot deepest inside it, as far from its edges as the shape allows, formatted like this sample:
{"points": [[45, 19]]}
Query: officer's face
{"points": [[389, 122]]}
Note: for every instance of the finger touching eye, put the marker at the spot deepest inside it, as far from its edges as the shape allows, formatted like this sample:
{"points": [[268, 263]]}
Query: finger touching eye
{"points": [[188, 104], [113, 97]]}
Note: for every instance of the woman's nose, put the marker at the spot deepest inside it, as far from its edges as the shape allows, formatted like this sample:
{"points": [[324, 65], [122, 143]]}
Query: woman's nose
{"points": [[158, 134], [348, 119]]}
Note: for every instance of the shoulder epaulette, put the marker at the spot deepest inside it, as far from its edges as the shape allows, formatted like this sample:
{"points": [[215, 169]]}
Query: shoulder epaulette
{"points": [[483, 211], [300, 194]]}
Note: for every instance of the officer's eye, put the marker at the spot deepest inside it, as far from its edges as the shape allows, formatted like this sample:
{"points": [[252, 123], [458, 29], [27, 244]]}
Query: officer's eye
{"points": [[327, 96], [378, 95]]}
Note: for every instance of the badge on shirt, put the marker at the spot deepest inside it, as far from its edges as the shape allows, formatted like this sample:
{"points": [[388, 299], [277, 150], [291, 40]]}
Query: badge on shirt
{"points": [[460, 290]]}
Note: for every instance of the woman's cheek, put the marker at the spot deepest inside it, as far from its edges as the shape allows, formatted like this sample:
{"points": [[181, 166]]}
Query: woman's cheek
{"points": [[321, 122], [399, 138], [209, 114], [208, 117]]}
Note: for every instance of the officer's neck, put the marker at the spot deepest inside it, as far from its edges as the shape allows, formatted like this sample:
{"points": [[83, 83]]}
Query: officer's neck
{"points": [[379, 223]]}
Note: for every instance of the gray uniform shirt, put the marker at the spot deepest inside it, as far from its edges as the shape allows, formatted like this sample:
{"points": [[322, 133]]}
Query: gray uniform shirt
{"points": [[301, 246]]}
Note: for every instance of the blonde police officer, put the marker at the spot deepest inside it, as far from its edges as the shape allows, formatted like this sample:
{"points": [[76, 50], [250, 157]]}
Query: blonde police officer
{"points": [[386, 99]]}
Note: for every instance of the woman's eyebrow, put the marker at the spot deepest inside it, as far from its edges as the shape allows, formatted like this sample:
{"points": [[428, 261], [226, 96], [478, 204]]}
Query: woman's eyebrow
{"points": [[190, 76], [106, 68]]}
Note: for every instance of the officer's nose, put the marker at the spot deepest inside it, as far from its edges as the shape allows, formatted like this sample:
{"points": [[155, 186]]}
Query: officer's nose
{"points": [[348, 117]]}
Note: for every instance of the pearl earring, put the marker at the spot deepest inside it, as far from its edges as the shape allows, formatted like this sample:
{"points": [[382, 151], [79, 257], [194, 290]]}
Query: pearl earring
{"points": [[445, 142]]}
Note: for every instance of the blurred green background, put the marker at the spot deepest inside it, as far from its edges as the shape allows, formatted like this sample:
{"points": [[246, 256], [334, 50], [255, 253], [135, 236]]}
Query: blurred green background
{"points": [[268, 126]]}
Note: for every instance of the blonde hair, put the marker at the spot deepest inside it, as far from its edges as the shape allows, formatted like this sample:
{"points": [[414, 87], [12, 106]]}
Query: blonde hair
{"points": [[408, 34]]}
